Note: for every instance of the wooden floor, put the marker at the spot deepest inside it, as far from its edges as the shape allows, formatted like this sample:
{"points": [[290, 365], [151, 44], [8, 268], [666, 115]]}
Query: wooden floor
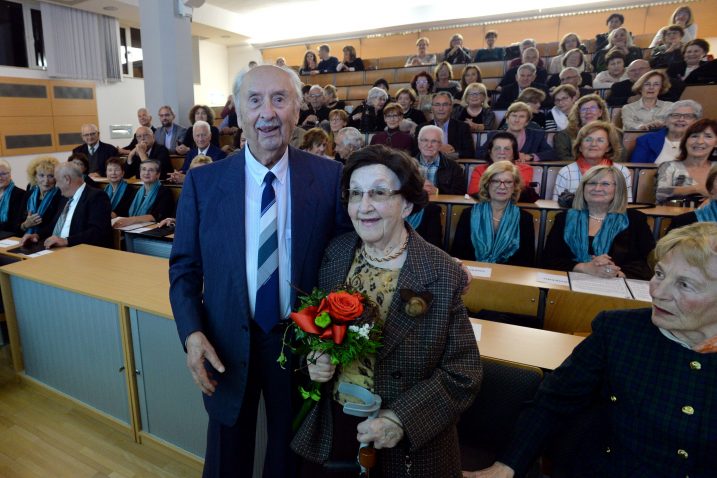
{"points": [[44, 436]]}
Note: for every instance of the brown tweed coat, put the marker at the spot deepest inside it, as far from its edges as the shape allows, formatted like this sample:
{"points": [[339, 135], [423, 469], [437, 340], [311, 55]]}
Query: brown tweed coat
{"points": [[428, 370]]}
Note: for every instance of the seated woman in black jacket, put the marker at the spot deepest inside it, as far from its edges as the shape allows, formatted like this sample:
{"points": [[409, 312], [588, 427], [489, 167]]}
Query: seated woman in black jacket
{"points": [[12, 210], [351, 62], [496, 230], [120, 194], [368, 117], [152, 202], [599, 235], [42, 198]]}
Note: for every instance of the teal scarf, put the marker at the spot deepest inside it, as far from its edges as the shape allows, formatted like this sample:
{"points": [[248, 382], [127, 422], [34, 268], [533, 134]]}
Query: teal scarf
{"points": [[5, 201], [576, 233], [116, 196], [32, 206], [498, 247], [415, 219], [705, 214], [141, 204]]}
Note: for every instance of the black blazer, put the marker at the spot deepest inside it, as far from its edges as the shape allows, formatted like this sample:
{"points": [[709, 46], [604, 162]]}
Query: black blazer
{"points": [[47, 225], [189, 137], [510, 93], [541, 76], [98, 161], [459, 136], [16, 212], [629, 250], [158, 152], [682, 220], [90, 221], [163, 206], [122, 209], [462, 247]]}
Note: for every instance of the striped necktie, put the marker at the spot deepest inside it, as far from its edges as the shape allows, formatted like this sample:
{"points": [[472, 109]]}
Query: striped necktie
{"points": [[61, 220], [266, 310]]}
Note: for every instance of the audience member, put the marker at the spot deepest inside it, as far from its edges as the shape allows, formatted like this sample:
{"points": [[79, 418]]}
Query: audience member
{"points": [[147, 149], [648, 112], [671, 50], [199, 113], [144, 119], [391, 135], [422, 57], [615, 72], [682, 16], [599, 235], [331, 98], [328, 63], [706, 213], [42, 199], [348, 140], [621, 92], [456, 53], [230, 123], [116, 189], [504, 147], [351, 62], [383, 84], [471, 74], [12, 207], [80, 160], [198, 161], [315, 142], [530, 56], [474, 109], [457, 139], [310, 65], [664, 144], [532, 143], [620, 39], [280, 62], [170, 135], [524, 79], [492, 53], [441, 174], [615, 20], [96, 151], [684, 179], [83, 218], [406, 98], [693, 57], [338, 119], [532, 97], [574, 63], [368, 116], [443, 75], [422, 84], [569, 42], [152, 202], [203, 148], [496, 230], [316, 110], [597, 144], [525, 44], [564, 97], [585, 110]]}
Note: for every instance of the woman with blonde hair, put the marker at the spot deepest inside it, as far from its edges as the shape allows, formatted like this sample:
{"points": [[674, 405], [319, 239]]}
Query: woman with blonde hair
{"points": [[569, 42], [456, 53], [443, 74], [422, 57], [585, 110], [649, 111], [475, 110], [42, 197], [621, 39], [351, 61], [682, 16]]}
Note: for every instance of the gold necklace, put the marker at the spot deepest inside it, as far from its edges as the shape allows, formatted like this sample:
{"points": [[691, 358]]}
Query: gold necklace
{"points": [[389, 257]]}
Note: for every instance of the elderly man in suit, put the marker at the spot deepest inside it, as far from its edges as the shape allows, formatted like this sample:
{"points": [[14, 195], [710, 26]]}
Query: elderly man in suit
{"points": [[84, 217], [525, 77], [170, 134], [458, 142], [96, 151], [147, 148], [202, 134], [251, 231]]}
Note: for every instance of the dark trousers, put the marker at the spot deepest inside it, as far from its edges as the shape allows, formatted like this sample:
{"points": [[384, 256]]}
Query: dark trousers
{"points": [[230, 449]]}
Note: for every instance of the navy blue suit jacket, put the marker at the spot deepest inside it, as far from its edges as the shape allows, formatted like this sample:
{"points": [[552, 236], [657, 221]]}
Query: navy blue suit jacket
{"points": [[208, 288], [648, 147], [535, 143], [213, 152]]}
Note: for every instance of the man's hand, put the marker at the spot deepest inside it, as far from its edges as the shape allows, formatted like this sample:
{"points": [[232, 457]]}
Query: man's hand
{"points": [[429, 187], [29, 239], [198, 350], [177, 177], [54, 241], [182, 149]]}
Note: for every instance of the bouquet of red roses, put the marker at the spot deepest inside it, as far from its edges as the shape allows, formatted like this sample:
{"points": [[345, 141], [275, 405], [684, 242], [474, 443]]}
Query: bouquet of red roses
{"points": [[342, 324]]}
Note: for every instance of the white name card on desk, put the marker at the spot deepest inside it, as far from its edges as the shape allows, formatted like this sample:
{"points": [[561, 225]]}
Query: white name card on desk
{"points": [[133, 227], [8, 243], [614, 287], [555, 279], [40, 253], [477, 328], [480, 271], [640, 289], [141, 229]]}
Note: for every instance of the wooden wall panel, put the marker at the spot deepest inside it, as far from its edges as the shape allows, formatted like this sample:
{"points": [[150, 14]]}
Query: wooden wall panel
{"points": [[27, 105], [14, 128], [76, 103], [70, 125], [395, 45], [294, 54]]}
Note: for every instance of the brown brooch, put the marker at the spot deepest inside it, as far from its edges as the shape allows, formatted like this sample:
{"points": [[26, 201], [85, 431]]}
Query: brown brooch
{"points": [[417, 303]]}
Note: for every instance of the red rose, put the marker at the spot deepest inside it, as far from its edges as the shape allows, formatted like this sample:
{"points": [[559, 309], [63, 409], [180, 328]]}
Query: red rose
{"points": [[344, 307], [339, 332], [305, 320]]}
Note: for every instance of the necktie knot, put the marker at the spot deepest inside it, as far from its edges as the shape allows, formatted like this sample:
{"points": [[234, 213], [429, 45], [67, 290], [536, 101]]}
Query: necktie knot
{"points": [[269, 178]]}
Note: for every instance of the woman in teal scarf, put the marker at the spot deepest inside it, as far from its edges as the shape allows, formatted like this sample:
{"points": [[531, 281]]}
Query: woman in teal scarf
{"points": [[11, 206], [119, 192], [42, 198], [599, 235], [707, 212], [496, 230], [152, 202]]}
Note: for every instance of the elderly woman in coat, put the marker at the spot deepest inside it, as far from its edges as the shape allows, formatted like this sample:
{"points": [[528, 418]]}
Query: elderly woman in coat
{"points": [[428, 369]]}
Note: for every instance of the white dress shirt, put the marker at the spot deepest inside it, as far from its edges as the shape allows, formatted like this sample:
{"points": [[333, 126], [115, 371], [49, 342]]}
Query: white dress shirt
{"points": [[71, 211], [254, 178]]}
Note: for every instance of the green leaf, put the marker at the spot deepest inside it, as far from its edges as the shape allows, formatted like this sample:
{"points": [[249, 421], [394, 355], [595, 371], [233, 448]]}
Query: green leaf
{"points": [[282, 359], [323, 319]]}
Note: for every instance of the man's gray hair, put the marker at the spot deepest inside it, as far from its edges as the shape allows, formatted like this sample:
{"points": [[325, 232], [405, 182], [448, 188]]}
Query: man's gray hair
{"points": [[528, 66], [696, 107], [568, 69], [351, 138], [447, 94], [71, 169], [431, 127], [295, 81], [201, 124]]}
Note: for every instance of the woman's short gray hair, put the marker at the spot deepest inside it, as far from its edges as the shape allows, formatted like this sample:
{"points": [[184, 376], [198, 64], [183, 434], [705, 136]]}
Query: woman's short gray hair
{"points": [[695, 106], [376, 92], [4, 163]]}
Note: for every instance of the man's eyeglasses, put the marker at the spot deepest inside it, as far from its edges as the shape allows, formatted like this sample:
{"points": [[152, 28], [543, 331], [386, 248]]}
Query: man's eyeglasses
{"points": [[429, 141], [374, 194], [677, 116]]}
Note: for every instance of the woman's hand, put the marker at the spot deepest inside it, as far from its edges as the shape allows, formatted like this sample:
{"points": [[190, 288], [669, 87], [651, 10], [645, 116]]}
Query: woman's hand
{"points": [[600, 266], [170, 221], [32, 220], [525, 157], [123, 222], [320, 367], [385, 431], [497, 470]]}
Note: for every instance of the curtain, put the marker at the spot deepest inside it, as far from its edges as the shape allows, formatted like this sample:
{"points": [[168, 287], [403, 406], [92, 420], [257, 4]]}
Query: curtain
{"points": [[81, 45]]}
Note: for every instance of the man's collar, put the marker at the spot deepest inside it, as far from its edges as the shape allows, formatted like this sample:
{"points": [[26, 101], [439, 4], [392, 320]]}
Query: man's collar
{"points": [[257, 171]]}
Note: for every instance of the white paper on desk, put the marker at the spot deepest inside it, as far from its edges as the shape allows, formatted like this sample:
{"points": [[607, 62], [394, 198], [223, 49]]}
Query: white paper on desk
{"points": [[40, 253], [555, 279], [477, 331], [134, 227], [141, 229], [480, 271], [614, 287], [640, 289], [8, 243]]}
